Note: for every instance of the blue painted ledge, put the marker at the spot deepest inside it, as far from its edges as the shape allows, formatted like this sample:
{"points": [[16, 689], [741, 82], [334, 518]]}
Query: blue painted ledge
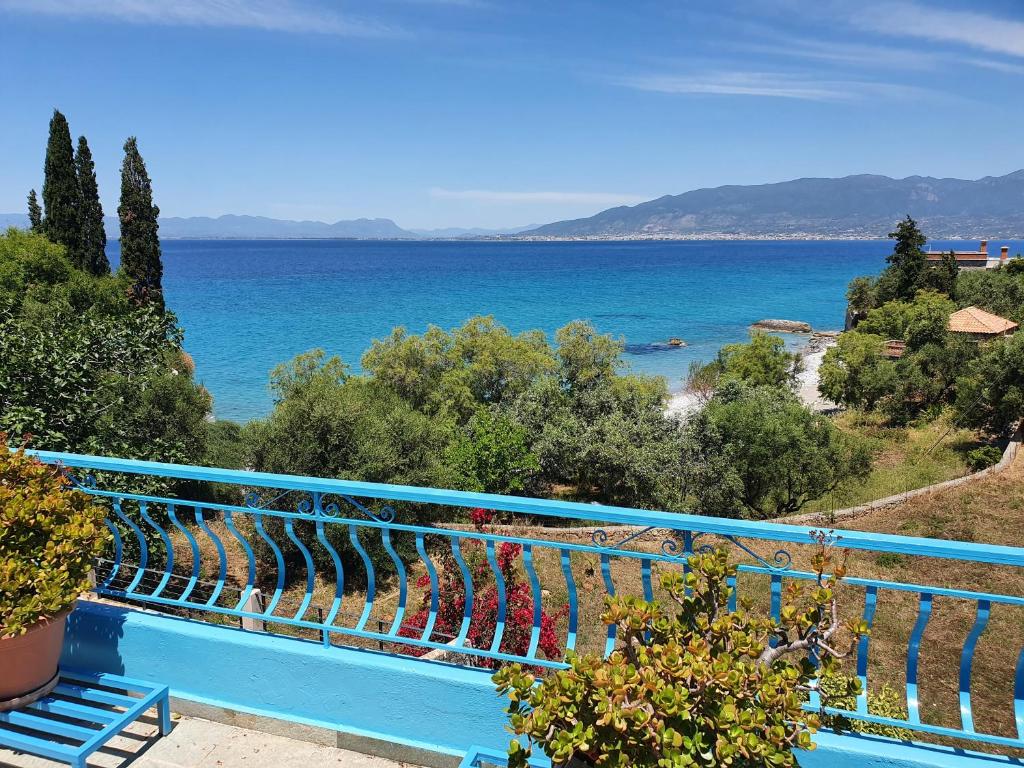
{"points": [[417, 704]]}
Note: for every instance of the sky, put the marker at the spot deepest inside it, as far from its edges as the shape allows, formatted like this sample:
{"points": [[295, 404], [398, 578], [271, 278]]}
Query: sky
{"points": [[501, 113]]}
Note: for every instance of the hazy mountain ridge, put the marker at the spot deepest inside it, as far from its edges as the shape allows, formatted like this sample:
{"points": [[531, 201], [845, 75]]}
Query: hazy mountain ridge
{"points": [[234, 227], [853, 206]]}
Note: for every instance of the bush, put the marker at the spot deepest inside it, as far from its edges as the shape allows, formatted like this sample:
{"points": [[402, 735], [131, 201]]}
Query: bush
{"points": [[49, 538], [984, 457], [697, 685], [885, 702]]}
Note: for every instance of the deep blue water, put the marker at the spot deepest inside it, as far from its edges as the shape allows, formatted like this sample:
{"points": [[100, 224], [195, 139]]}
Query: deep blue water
{"points": [[248, 305]]}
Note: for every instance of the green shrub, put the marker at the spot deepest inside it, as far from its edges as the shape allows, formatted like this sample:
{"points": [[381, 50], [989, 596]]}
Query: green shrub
{"points": [[884, 702], [49, 538], [693, 685], [981, 458]]}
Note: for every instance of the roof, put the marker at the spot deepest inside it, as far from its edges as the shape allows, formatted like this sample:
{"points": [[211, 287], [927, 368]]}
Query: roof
{"points": [[894, 348], [975, 320]]}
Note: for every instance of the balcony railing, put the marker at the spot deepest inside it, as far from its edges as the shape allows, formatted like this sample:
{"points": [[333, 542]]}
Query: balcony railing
{"points": [[384, 566]]}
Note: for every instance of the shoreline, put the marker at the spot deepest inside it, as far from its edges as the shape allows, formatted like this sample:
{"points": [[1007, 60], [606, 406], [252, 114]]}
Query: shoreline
{"points": [[683, 403]]}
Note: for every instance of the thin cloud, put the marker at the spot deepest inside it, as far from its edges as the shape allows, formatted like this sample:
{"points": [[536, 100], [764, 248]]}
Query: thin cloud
{"points": [[976, 30], [769, 85], [495, 196], [269, 15]]}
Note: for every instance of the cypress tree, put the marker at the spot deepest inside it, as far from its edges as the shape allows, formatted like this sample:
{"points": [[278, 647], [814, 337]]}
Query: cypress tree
{"points": [[60, 190], [93, 236], [35, 213], [140, 245], [907, 262]]}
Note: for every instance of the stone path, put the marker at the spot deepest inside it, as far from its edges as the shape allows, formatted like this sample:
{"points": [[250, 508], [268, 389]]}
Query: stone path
{"points": [[195, 743]]}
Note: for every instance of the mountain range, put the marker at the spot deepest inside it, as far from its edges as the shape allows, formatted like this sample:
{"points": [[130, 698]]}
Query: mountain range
{"points": [[862, 206], [852, 206]]}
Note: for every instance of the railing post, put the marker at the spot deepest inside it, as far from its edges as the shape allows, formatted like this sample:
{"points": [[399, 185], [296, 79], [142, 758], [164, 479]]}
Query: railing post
{"points": [[253, 604]]}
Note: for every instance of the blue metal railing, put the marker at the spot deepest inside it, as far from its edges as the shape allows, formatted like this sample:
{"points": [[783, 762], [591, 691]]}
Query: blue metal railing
{"points": [[304, 541]]}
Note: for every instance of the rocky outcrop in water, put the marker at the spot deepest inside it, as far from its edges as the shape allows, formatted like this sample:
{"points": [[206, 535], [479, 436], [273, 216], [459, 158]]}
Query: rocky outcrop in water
{"points": [[783, 326]]}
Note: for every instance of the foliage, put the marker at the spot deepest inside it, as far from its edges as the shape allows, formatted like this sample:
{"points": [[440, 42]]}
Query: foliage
{"points": [[1000, 291], [856, 372], [763, 361], [61, 196], [491, 455], [990, 394], [451, 605], [140, 245], [329, 423], [942, 277], [861, 295], [49, 539], [35, 212], [907, 268], [92, 235], [884, 702], [594, 429], [83, 368], [691, 684], [758, 452], [984, 457]]}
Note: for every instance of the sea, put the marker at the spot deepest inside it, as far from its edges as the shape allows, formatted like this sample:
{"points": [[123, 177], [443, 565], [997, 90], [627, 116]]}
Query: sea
{"points": [[248, 305]]}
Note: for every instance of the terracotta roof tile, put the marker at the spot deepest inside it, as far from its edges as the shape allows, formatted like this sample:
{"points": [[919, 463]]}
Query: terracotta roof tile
{"points": [[975, 320]]}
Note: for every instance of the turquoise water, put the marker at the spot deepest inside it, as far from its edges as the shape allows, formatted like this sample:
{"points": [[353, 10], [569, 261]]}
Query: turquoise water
{"points": [[249, 305]]}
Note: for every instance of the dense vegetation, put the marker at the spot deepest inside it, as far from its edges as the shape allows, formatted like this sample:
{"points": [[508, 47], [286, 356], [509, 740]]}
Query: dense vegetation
{"points": [[479, 408], [983, 382]]}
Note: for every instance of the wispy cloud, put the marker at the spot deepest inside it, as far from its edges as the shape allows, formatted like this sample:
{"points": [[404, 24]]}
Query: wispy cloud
{"points": [[864, 56], [769, 85], [495, 196], [976, 30], [270, 15]]}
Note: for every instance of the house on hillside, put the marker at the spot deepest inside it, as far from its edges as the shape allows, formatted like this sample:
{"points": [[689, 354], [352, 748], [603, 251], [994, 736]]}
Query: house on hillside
{"points": [[979, 324], [979, 259], [894, 349]]}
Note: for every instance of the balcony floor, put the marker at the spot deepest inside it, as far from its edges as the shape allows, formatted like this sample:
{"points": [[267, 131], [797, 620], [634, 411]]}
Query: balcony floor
{"points": [[195, 743]]}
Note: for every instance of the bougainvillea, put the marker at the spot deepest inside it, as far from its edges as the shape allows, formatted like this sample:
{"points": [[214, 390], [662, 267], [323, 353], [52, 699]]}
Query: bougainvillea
{"points": [[484, 612]]}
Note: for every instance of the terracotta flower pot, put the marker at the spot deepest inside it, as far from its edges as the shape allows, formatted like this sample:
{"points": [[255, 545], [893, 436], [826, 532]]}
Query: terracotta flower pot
{"points": [[28, 663]]}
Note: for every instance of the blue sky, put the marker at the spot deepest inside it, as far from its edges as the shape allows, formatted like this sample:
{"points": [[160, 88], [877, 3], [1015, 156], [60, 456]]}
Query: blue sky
{"points": [[498, 113]]}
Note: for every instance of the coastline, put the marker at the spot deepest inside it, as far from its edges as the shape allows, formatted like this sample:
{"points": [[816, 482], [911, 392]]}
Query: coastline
{"points": [[683, 403]]}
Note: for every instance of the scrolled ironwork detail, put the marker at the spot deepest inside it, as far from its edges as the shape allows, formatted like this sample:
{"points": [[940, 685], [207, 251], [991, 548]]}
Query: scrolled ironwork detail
{"points": [[600, 538], [781, 560], [386, 514]]}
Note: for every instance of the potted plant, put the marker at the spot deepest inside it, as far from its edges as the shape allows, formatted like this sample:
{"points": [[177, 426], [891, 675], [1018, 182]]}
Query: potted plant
{"points": [[691, 685], [49, 538]]}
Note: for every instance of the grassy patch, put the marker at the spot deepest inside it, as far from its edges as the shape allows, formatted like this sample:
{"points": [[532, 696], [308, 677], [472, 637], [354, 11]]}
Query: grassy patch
{"points": [[906, 458]]}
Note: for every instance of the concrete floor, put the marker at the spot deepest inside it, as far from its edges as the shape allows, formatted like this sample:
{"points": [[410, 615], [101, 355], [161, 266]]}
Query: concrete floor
{"points": [[195, 743]]}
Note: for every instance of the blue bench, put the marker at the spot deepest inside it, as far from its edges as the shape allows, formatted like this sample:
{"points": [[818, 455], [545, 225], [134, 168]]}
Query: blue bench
{"points": [[481, 757], [80, 715]]}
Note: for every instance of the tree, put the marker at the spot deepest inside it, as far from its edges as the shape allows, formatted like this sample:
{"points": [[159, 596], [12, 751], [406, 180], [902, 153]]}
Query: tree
{"points": [[763, 361], [35, 213], [855, 372], [84, 369], [991, 394], [61, 196], [907, 262], [996, 290], [942, 277], [491, 455], [777, 454], [140, 244], [93, 235]]}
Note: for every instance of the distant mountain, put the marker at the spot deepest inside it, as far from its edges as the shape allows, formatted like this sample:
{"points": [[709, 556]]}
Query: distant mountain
{"points": [[231, 227], [460, 232], [853, 206]]}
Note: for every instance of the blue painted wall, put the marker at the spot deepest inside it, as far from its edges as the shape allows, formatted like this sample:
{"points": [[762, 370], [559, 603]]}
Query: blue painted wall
{"points": [[405, 701]]}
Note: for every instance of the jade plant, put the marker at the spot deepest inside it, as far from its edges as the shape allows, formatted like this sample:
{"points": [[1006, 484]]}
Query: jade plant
{"points": [[49, 538], [690, 684]]}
